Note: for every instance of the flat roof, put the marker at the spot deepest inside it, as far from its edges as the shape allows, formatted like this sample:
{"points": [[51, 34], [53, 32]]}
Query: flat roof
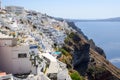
{"points": [[49, 56]]}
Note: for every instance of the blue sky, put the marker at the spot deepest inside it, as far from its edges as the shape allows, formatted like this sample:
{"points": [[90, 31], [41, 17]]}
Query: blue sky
{"points": [[76, 9]]}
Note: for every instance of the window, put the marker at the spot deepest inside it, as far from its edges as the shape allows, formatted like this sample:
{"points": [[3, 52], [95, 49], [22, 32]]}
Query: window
{"points": [[22, 55]]}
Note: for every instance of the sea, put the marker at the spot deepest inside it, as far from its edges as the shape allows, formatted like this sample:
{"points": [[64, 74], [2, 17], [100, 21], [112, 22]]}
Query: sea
{"points": [[106, 35]]}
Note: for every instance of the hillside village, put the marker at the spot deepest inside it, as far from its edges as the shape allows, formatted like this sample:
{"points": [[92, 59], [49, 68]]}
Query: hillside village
{"points": [[35, 46], [27, 45]]}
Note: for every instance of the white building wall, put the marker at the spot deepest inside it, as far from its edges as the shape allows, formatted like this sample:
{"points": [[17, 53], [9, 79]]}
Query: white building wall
{"points": [[10, 63], [53, 68], [53, 64], [21, 65], [5, 59]]}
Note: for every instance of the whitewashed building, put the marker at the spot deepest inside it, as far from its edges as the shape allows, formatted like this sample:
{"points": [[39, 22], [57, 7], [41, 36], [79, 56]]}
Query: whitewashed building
{"points": [[15, 9], [52, 64], [53, 68], [33, 49], [14, 58]]}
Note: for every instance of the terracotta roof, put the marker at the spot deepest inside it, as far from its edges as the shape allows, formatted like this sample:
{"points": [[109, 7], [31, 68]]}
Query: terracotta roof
{"points": [[2, 73]]}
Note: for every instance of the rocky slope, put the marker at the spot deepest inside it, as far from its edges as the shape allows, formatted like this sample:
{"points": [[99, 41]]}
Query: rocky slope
{"points": [[91, 42], [88, 59]]}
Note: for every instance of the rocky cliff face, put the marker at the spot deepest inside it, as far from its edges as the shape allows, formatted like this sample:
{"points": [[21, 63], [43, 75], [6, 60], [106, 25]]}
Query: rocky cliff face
{"points": [[91, 42], [88, 59], [96, 48], [72, 24], [79, 50]]}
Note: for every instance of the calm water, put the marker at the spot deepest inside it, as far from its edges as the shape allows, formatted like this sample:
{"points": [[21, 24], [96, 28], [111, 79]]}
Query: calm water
{"points": [[106, 35]]}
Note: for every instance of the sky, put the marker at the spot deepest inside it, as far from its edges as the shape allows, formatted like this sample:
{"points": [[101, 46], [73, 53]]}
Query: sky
{"points": [[73, 9]]}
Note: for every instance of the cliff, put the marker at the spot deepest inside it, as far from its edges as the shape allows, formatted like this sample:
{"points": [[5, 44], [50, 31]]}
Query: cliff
{"points": [[86, 58], [91, 42]]}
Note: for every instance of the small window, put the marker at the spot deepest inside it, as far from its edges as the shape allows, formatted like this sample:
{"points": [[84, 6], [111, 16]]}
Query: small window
{"points": [[23, 55]]}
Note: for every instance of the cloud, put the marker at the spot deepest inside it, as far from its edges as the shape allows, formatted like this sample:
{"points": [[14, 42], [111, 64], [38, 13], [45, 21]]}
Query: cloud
{"points": [[115, 60]]}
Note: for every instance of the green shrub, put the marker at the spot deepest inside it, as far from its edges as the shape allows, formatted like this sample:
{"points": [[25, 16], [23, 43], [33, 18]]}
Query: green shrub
{"points": [[75, 76], [72, 34], [66, 40], [64, 52]]}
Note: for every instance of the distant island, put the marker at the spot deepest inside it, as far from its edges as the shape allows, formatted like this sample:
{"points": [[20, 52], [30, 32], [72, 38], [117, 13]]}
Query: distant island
{"points": [[116, 19]]}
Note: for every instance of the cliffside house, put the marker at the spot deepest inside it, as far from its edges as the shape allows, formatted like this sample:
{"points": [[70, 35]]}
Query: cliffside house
{"points": [[14, 58]]}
